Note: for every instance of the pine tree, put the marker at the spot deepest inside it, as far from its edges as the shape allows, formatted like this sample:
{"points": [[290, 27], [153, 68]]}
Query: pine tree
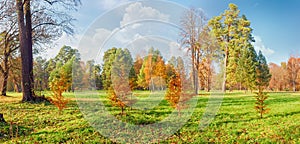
{"points": [[247, 68], [224, 28], [262, 81]]}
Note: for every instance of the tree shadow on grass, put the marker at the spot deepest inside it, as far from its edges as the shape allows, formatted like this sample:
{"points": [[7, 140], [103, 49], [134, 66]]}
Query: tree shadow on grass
{"points": [[9, 131], [254, 118]]}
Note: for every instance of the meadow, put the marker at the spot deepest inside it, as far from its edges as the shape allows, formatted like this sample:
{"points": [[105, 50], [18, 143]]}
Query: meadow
{"points": [[236, 121]]}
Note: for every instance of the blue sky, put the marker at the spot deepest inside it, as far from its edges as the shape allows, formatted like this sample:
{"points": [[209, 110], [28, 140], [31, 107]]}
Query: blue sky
{"points": [[275, 23]]}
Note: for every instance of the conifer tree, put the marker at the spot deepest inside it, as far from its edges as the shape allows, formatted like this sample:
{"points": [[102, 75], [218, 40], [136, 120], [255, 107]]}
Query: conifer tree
{"points": [[262, 81]]}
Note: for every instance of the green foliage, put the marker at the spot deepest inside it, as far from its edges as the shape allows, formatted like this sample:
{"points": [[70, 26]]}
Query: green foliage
{"points": [[109, 57], [263, 72], [233, 34], [247, 64]]}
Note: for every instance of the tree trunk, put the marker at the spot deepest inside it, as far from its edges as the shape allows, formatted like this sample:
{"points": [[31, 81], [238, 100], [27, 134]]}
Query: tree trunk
{"points": [[4, 84], [25, 38], [224, 75], [2, 120]]}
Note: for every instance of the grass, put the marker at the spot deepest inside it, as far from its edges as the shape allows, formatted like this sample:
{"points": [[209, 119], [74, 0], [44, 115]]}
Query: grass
{"points": [[236, 122]]}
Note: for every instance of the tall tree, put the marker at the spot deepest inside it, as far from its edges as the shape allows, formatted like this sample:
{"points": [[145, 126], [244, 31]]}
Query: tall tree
{"points": [[192, 24], [51, 13], [224, 28], [246, 69]]}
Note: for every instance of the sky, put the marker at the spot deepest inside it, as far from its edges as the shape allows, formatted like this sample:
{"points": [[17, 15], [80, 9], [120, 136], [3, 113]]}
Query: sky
{"points": [[138, 25]]}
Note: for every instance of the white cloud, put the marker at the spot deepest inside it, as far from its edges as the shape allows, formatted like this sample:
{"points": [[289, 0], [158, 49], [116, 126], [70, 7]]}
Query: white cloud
{"points": [[259, 46], [137, 11], [90, 43]]}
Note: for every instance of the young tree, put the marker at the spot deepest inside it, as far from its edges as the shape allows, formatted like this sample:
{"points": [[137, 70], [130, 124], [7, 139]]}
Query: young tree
{"points": [[262, 81], [60, 80], [120, 90]]}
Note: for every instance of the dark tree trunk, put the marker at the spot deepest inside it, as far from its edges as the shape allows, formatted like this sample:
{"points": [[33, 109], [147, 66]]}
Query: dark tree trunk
{"points": [[25, 48], [4, 84], [2, 120]]}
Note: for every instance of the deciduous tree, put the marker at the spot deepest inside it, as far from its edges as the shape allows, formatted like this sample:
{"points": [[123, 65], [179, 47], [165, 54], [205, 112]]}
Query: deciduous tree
{"points": [[293, 69]]}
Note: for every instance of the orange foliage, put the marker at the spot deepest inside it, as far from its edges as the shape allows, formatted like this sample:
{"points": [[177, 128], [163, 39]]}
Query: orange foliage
{"points": [[59, 85]]}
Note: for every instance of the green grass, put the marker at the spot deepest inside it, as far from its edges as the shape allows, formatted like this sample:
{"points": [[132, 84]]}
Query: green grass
{"points": [[236, 122]]}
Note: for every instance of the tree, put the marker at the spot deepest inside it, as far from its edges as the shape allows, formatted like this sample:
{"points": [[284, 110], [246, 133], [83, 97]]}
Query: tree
{"points": [[210, 53], [232, 33], [246, 57], [39, 15], [278, 80], [60, 80], [160, 73], [148, 70], [8, 45], [293, 69], [192, 24], [246, 69], [262, 81], [263, 72], [179, 91], [137, 66], [109, 57], [120, 90], [174, 90], [40, 74], [92, 75]]}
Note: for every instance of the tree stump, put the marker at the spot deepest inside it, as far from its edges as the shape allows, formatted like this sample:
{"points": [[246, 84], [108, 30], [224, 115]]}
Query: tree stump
{"points": [[2, 118]]}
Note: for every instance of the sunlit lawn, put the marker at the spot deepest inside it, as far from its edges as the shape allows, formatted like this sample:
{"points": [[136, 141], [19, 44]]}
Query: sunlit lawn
{"points": [[236, 122]]}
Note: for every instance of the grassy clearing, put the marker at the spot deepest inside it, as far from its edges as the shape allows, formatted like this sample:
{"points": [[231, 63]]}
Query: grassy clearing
{"points": [[236, 122]]}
